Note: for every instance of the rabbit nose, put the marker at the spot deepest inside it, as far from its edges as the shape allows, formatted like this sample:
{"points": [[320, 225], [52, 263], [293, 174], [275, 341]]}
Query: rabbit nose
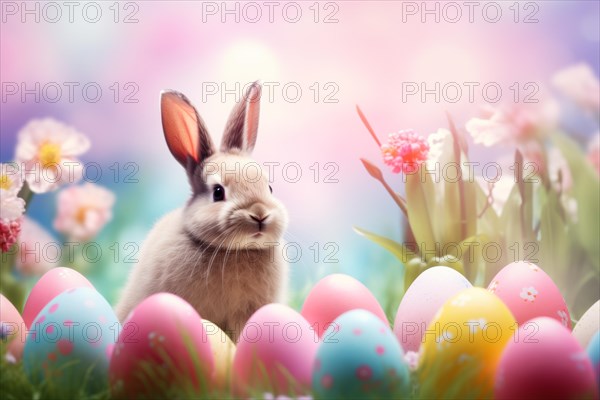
{"points": [[260, 220]]}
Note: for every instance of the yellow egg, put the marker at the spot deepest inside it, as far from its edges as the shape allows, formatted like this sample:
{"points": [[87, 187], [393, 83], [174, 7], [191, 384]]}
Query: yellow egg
{"points": [[223, 351], [463, 344]]}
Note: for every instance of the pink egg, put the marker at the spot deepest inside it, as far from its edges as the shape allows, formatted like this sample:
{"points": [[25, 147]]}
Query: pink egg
{"points": [[162, 347], [543, 361], [422, 300], [529, 293], [334, 295], [50, 285], [275, 352], [12, 328]]}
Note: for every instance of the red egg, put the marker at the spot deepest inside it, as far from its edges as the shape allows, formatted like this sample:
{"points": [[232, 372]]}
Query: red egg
{"points": [[163, 347], [334, 295], [544, 361], [50, 285], [12, 329], [529, 293]]}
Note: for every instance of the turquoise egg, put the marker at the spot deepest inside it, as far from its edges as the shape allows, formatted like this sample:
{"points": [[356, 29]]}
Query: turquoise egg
{"points": [[70, 342], [359, 357], [593, 350]]}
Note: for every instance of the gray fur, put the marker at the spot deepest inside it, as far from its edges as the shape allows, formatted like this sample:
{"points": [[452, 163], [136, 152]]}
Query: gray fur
{"points": [[214, 254]]}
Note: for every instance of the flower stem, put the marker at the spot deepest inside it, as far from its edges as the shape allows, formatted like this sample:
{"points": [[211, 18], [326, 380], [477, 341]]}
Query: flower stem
{"points": [[456, 139], [367, 125], [26, 194]]}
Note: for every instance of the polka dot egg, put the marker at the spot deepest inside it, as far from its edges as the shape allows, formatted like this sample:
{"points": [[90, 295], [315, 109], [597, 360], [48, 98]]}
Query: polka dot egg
{"points": [[162, 351], [359, 356], [70, 341], [529, 293]]}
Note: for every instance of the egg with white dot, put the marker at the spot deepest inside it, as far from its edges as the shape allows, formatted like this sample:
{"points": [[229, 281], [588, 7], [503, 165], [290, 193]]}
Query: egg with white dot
{"points": [[70, 341], [529, 293], [50, 285], [422, 300], [163, 348], [359, 356]]}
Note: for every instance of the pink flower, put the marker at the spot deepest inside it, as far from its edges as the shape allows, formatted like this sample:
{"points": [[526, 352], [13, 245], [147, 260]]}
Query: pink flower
{"points": [[38, 250], [9, 233], [579, 83], [513, 124], [83, 211], [47, 152], [404, 151], [593, 152]]}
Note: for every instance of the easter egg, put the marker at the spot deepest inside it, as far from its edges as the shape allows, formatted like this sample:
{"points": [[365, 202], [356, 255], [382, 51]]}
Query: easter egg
{"points": [[50, 285], [422, 300], [223, 351], [359, 357], [12, 329], [544, 361], [462, 345], [529, 293], [70, 341], [334, 295], [588, 325], [162, 348], [275, 352], [593, 351]]}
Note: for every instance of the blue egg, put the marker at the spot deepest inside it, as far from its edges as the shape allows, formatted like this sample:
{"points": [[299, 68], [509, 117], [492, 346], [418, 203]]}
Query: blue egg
{"points": [[593, 350], [359, 356], [70, 342]]}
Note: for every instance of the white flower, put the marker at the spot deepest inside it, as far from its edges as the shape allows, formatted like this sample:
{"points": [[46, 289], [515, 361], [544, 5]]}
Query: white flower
{"points": [[10, 178], [529, 293], [47, 152], [579, 83], [38, 250], [513, 124], [83, 211], [11, 206], [441, 148]]}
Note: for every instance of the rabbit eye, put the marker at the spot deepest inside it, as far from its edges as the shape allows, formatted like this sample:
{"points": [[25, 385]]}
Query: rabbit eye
{"points": [[270, 188], [218, 193]]}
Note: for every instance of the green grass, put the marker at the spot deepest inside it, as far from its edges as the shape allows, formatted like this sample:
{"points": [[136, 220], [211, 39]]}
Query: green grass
{"points": [[14, 383]]}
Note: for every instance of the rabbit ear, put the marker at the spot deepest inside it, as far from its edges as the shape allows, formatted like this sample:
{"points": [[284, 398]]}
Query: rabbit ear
{"points": [[184, 130], [242, 127]]}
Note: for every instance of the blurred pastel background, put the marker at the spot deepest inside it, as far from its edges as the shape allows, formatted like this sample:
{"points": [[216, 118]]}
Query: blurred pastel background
{"points": [[367, 54]]}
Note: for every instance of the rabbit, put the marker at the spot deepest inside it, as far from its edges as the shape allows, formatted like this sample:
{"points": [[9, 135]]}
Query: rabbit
{"points": [[221, 251]]}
